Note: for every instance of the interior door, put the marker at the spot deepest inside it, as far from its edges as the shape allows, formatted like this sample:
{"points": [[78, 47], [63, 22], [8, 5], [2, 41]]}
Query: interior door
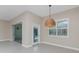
{"points": [[36, 34], [18, 33]]}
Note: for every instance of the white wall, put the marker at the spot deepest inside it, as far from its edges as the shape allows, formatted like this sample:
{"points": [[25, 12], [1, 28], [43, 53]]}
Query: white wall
{"points": [[4, 30], [27, 19], [73, 40]]}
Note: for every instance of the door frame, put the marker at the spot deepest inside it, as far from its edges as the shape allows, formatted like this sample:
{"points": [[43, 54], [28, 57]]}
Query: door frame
{"points": [[37, 26]]}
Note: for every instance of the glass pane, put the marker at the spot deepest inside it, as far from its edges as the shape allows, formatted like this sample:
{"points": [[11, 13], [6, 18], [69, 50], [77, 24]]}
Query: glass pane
{"points": [[18, 33], [62, 24], [35, 32], [59, 32], [52, 31], [35, 40], [62, 32]]}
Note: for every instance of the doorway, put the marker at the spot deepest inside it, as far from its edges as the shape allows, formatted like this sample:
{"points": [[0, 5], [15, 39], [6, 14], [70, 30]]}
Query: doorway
{"points": [[18, 33], [36, 34]]}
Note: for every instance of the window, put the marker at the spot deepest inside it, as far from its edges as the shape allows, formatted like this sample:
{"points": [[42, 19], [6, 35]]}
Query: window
{"points": [[61, 29]]}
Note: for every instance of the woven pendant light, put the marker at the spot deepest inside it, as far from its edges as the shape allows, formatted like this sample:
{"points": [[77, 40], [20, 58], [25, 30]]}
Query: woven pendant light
{"points": [[50, 22]]}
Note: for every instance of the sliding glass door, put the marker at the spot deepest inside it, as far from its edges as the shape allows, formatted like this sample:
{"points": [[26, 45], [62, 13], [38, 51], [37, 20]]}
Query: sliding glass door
{"points": [[18, 33]]}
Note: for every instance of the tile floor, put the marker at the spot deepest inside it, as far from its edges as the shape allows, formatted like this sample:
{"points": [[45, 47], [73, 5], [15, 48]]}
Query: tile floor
{"points": [[14, 47]]}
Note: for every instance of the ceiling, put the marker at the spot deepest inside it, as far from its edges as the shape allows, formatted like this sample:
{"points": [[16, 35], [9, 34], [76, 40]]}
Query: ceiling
{"points": [[8, 12]]}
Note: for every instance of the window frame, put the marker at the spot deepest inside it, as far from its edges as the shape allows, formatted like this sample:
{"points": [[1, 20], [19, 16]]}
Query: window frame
{"points": [[60, 28]]}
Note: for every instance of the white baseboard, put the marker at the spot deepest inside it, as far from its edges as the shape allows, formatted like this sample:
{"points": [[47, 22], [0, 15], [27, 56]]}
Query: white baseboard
{"points": [[54, 44], [26, 46], [5, 40]]}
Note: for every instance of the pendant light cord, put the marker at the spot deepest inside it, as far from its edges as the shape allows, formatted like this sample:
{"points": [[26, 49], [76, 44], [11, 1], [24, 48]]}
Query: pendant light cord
{"points": [[50, 11]]}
